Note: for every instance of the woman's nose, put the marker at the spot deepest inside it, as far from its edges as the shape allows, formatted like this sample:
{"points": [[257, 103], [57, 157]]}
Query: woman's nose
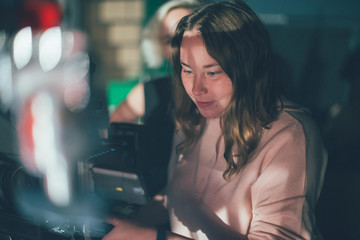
{"points": [[199, 87]]}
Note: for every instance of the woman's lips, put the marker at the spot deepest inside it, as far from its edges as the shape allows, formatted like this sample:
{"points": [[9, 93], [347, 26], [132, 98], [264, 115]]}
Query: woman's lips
{"points": [[203, 104]]}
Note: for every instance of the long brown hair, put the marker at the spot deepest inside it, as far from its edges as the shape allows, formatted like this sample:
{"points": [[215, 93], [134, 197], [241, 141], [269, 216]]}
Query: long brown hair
{"points": [[236, 38]]}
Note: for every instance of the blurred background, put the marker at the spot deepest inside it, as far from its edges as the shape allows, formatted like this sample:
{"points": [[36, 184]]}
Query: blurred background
{"points": [[316, 42]]}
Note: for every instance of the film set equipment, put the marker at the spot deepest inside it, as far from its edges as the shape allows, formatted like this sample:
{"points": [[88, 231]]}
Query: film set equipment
{"points": [[62, 183]]}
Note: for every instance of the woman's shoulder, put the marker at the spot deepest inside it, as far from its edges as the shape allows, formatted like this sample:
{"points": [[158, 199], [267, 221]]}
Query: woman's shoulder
{"points": [[295, 114], [293, 122], [290, 106], [295, 133]]}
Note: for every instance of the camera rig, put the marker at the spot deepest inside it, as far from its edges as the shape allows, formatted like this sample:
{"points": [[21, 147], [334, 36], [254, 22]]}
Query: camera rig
{"points": [[117, 180], [62, 180]]}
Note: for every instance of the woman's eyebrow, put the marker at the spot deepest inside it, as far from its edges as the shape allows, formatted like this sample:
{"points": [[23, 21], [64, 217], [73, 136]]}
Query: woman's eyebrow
{"points": [[211, 65], [205, 66], [182, 63]]}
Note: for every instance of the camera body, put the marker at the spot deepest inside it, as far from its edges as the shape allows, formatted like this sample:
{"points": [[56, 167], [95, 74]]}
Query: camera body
{"points": [[117, 174]]}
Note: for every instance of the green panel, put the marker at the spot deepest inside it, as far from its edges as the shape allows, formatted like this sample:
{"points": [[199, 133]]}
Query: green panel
{"points": [[150, 8], [118, 90]]}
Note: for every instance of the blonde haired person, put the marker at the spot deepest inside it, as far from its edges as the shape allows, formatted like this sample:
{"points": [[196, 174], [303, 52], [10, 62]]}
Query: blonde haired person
{"points": [[155, 46], [151, 100]]}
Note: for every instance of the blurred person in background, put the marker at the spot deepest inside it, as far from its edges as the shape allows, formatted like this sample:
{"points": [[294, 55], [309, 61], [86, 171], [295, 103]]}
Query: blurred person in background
{"points": [[151, 100]]}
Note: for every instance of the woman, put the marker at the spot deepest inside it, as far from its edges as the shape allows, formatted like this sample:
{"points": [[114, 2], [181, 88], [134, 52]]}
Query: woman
{"points": [[248, 164]]}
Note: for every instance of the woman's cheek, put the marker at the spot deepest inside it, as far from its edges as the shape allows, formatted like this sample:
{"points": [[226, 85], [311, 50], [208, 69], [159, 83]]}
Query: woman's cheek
{"points": [[187, 85]]}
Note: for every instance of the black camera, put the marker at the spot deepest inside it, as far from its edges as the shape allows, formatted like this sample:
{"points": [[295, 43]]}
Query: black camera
{"points": [[118, 174]]}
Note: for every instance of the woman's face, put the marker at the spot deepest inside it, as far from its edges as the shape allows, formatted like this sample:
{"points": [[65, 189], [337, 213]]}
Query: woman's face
{"points": [[168, 27], [209, 87]]}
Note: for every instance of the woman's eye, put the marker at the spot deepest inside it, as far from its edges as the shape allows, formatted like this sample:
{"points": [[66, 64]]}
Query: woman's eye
{"points": [[212, 74], [187, 71]]}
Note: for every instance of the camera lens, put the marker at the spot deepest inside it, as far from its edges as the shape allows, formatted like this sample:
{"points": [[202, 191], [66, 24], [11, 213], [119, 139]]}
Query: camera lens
{"points": [[13, 178]]}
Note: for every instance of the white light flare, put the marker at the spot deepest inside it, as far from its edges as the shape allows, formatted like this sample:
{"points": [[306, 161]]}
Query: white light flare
{"points": [[58, 183], [22, 47], [48, 158], [6, 84], [50, 48]]}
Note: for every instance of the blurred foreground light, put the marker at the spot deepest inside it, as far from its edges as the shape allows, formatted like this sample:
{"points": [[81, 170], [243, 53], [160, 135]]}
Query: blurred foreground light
{"points": [[22, 47], [6, 87], [68, 40], [77, 89], [57, 180], [43, 131], [48, 156], [50, 48], [77, 97]]}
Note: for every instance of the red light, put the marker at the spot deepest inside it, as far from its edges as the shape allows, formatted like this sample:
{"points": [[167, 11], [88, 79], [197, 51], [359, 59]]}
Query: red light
{"points": [[26, 138], [50, 15], [40, 14]]}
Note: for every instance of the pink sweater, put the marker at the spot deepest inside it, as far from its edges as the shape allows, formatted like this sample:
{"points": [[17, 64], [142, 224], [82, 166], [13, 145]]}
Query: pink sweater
{"points": [[273, 196]]}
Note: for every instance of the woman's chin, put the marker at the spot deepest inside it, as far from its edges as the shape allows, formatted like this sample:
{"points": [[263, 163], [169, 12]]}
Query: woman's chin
{"points": [[208, 113]]}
